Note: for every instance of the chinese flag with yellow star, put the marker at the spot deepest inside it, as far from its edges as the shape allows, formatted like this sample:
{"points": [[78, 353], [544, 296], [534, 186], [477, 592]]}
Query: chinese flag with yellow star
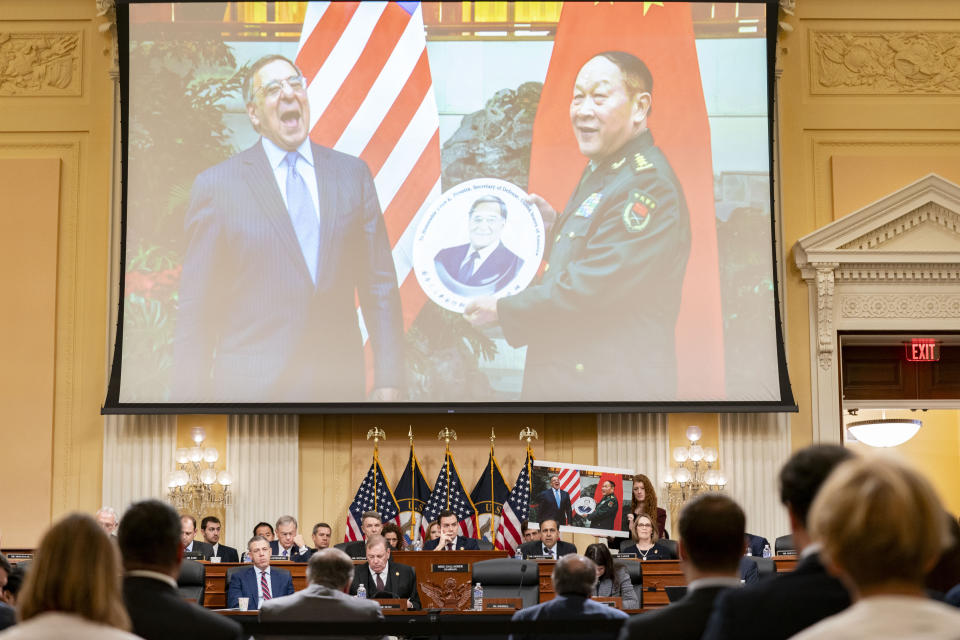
{"points": [[660, 34]]}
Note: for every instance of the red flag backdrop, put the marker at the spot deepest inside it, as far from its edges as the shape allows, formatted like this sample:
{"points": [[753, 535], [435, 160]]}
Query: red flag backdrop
{"points": [[662, 36]]}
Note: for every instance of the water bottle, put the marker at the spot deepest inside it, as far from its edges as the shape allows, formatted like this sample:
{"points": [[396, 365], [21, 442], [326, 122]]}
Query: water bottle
{"points": [[749, 551], [766, 551], [417, 545], [477, 597], [519, 554], [362, 592]]}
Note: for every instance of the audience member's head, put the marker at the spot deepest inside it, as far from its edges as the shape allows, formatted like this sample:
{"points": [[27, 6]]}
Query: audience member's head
{"points": [[601, 557], [188, 530], [264, 529], [378, 553], [107, 518], [330, 568], [574, 575], [529, 534], [712, 530], [210, 528], [549, 533], [433, 531], [322, 532], [286, 531], [393, 535], [150, 538], [76, 570], [371, 523], [881, 526], [800, 479], [258, 548], [945, 575], [15, 580]]}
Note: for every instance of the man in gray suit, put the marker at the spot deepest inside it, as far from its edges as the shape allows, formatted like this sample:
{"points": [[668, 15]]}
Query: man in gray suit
{"points": [[330, 573]]}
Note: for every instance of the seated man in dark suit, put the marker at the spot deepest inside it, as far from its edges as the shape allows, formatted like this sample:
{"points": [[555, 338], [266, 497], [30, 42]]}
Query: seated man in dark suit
{"points": [[329, 574], [289, 542], [449, 540], [188, 530], [380, 575], [755, 545], [260, 582], [554, 503], [484, 262], [574, 579], [149, 540], [549, 543], [784, 606], [371, 523], [710, 547], [210, 526], [322, 532]]}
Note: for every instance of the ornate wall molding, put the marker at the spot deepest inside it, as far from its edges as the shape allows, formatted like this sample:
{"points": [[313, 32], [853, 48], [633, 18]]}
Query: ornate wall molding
{"points": [[885, 62], [825, 332], [893, 272], [900, 305], [930, 212], [40, 63]]}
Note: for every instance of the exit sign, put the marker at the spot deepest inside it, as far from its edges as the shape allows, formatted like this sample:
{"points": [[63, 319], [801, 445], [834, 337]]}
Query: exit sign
{"points": [[923, 350]]}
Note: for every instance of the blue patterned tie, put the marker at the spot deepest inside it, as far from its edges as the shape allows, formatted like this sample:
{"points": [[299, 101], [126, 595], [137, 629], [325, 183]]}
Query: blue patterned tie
{"points": [[467, 269], [302, 214]]}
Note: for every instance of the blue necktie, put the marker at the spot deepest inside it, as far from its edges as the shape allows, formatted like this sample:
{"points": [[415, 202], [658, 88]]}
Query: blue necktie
{"points": [[556, 494], [467, 269], [302, 214]]}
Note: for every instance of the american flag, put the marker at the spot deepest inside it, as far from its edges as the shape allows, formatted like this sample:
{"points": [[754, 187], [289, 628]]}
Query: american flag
{"points": [[371, 96], [570, 482], [373, 495], [456, 500], [515, 510]]}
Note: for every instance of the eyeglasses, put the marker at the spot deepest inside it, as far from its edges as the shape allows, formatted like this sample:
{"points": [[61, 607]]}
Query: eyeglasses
{"points": [[274, 88], [644, 524]]}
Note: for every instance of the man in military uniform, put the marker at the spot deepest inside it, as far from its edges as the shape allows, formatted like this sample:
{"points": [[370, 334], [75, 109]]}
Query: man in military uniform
{"points": [[606, 511], [599, 324]]}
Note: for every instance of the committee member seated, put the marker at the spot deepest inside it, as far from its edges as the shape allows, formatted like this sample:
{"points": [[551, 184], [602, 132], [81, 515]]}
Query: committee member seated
{"points": [[710, 547], [779, 608], [322, 533], [393, 534], [881, 528], [529, 533], [574, 579], [289, 543], [380, 575], [149, 539], [613, 579], [647, 545], [549, 543], [264, 529], [211, 527], [449, 540], [188, 530], [260, 582], [371, 524], [329, 573]]}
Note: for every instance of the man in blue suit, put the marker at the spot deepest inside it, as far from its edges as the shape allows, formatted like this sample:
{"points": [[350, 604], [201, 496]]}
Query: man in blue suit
{"points": [[574, 578], [261, 581], [449, 540], [282, 239], [483, 262]]}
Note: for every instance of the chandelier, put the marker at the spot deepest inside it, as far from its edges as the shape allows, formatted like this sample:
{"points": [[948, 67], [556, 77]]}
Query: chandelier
{"points": [[694, 473], [195, 486]]}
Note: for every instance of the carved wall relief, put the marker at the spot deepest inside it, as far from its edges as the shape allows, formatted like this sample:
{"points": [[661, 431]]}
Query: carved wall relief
{"points": [[40, 63], [906, 305], [825, 342], [901, 62]]}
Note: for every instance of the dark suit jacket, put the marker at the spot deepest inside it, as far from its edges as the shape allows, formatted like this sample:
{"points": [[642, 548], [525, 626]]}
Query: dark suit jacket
{"points": [[535, 548], [658, 552], [158, 613], [401, 580], [756, 544], [685, 619], [295, 555], [355, 549], [749, 572], [8, 617], [495, 272], [227, 554], [469, 544], [568, 607], [244, 584], [252, 326], [201, 547], [780, 607], [548, 510]]}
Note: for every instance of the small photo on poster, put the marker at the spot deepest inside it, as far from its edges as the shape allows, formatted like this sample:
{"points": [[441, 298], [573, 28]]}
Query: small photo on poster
{"points": [[581, 498]]}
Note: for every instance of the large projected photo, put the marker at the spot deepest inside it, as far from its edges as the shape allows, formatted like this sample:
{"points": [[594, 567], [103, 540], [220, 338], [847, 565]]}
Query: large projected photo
{"points": [[420, 204]]}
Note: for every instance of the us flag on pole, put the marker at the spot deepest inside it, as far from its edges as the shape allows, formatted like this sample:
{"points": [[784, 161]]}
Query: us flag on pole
{"points": [[515, 510], [371, 96], [373, 495], [450, 496], [570, 482]]}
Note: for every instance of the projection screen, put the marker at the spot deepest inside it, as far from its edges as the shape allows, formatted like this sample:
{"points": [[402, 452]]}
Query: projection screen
{"points": [[447, 206]]}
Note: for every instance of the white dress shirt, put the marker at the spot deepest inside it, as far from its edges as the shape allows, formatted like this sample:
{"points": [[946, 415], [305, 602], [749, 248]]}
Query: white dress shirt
{"points": [[260, 585]]}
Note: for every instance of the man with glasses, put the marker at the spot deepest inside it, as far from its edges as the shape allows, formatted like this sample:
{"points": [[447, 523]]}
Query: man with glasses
{"points": [[283, 238]]}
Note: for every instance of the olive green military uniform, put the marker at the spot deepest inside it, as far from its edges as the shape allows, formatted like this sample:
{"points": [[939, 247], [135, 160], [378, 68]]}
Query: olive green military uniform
{"points": [[605, 513], [599, 324]]}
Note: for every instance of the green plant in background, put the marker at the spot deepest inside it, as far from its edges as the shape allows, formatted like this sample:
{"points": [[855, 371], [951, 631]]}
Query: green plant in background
{"points": [[180, 89]]}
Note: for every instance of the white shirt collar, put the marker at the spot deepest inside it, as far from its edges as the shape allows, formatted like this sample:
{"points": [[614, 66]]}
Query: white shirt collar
{"points": [[550, 549], [276, 155], [383, 574], [484, 253], [703, 583], [259, 570], [154, 575]]}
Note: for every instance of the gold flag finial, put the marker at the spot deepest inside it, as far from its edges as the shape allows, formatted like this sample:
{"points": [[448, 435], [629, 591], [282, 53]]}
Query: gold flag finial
{"points": [[410, 434], [529, 434], [493, 437], [446, 434], [377, 434]]}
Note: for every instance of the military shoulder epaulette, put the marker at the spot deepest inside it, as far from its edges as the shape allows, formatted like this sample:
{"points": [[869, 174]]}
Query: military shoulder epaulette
{"points": [[640, 163]]}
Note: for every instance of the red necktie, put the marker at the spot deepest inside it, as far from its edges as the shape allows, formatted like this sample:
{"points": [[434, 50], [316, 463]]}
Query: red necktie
{"points": [[379, 583], [264, 587], [449, 546]]}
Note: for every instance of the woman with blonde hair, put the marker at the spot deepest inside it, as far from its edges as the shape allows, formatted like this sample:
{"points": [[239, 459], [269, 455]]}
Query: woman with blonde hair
{"points": [[881, 528], [644, 500], [647, 545], [73, 587]]}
